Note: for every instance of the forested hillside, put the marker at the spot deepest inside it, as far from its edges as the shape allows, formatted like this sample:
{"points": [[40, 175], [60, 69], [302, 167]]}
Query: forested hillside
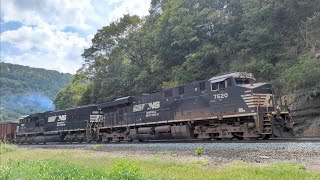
{"points": [[186, 40], [26, 90]]}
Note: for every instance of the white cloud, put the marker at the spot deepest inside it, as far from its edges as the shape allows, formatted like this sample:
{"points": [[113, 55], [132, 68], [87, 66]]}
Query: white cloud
{"points": [[60, 13], [42, 40], [81, 14], [137, 7], [46, 47]]}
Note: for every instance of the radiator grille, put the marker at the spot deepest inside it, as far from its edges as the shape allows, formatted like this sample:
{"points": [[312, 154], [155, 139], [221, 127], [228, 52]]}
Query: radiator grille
{"points": [[258, 100]]}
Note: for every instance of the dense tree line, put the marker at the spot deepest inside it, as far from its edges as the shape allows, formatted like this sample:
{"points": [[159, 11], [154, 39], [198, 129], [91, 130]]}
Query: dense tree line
{"points": [[185, 40], [26, 90]]}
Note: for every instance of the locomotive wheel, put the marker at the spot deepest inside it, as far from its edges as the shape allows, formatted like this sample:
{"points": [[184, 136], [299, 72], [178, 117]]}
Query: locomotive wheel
{"points": [[266, 136], [217, 139], [238, 136], [277, 131], [288, 134]]}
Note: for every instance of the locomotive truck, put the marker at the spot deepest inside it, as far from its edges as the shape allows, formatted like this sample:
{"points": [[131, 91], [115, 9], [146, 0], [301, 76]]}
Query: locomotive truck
{"points": [[230, 106]]}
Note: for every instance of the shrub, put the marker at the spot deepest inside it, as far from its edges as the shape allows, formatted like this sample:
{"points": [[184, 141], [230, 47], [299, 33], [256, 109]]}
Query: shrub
{"points": [[198, 151], [304, 76]]}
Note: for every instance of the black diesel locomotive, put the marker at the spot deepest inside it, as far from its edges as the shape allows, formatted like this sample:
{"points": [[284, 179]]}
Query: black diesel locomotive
{"points": [[223, 107]]}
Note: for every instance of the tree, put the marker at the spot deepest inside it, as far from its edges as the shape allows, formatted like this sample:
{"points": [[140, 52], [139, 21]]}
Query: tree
{"points": [[185, 40], [311, 32], [73, 94]]}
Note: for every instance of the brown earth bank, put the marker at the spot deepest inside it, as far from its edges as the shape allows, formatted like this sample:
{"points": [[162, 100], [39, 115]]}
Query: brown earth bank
{"points": [[305, 112]]}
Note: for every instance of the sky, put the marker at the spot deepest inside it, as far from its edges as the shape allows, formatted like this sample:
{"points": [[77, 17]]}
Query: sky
{"points": [[52, 34]]}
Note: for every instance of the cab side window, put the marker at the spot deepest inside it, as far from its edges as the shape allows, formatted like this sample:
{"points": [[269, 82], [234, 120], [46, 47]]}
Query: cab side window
{"points": [[229, 82], [214, 86], [222, 85]]}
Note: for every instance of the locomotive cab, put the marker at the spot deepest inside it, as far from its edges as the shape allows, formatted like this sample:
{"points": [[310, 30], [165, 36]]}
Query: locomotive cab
{"points": [[31, 124], [252, 103]]}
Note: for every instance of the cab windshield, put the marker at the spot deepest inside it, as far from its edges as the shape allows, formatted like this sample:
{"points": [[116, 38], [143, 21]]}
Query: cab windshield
{"points": [[242, 80]]}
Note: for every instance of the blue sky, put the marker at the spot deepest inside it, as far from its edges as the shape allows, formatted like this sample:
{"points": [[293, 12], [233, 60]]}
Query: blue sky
{"points": [[52, 34]]}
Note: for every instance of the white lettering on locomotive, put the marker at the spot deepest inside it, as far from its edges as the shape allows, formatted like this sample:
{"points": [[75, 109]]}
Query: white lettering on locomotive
{"points": [[52, 119], [154, 105], [151, 113], [96, 118], [61, 119], [221, 96], [150, 106], [138, 107], [61, 123], [95, 112]]}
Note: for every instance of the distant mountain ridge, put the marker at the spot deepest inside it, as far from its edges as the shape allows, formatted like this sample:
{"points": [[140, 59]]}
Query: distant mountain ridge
{"points": [[25, 90]]}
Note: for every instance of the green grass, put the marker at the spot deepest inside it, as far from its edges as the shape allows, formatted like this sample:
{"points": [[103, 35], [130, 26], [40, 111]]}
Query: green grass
{"points": [[87, 164], [7, 147]]}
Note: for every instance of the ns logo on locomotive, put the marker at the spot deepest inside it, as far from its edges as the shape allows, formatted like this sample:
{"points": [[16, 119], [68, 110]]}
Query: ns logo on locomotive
{"points": [[222, 107]]}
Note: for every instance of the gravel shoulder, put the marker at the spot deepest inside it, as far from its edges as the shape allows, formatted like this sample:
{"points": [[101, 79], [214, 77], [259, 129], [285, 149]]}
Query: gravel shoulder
{"points": [[214, 154]]}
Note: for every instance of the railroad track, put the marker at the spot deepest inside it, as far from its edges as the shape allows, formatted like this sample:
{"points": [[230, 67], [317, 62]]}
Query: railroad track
{"points": [[191, 141]]}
